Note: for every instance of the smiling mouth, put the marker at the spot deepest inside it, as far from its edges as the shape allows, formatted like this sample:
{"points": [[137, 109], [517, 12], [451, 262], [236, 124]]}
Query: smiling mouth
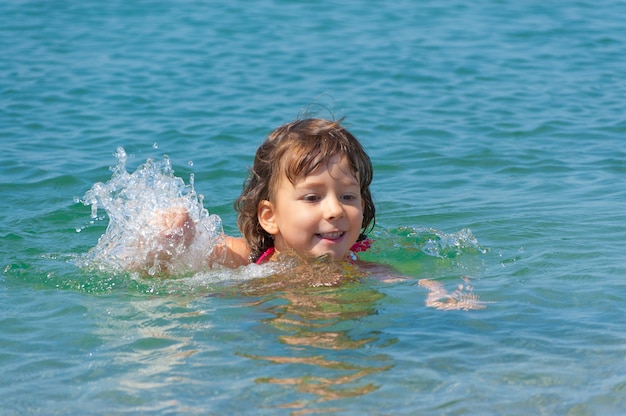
{"points": [[331, 236]]}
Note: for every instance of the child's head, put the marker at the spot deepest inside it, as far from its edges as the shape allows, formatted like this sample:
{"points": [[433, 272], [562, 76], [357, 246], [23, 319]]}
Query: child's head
{"points": [[290, 154]]}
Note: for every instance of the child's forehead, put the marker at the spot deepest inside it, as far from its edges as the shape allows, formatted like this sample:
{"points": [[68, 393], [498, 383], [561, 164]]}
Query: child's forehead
{"points": [[338, 166]]}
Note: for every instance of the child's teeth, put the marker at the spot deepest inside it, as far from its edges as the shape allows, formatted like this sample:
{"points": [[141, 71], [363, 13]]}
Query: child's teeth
{"points": [[331, 235]]}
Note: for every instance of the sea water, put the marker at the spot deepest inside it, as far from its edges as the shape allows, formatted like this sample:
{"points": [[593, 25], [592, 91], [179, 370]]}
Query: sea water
{"points": [[497, 133]]}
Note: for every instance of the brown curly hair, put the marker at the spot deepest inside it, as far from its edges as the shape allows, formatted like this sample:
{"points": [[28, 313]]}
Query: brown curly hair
{"points": [[295, 150]]}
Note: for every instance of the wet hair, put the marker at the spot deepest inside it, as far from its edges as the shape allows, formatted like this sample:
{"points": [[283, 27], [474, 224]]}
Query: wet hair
{"points": [[293, 151]]}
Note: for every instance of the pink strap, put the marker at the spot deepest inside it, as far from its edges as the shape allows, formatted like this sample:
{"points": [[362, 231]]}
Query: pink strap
{"points": [[265, 256]]}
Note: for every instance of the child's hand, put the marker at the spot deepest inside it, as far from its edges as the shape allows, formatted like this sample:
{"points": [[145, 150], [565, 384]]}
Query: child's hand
{"points": [[175, 230]]}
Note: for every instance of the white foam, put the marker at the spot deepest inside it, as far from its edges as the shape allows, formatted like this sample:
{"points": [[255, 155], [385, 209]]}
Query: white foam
{"points": [[131, 202]]}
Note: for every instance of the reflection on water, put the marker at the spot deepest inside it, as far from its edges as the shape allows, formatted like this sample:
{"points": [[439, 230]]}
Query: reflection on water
{"points": [[324, 357], [145, 343]]}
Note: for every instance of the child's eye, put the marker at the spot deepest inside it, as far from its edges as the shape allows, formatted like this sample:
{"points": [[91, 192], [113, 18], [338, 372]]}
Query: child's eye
{"points": [[310, 198], [349, 197]]}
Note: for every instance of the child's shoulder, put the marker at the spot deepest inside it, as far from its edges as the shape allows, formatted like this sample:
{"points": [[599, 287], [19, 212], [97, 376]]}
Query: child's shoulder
{"points": [[237, 252]]}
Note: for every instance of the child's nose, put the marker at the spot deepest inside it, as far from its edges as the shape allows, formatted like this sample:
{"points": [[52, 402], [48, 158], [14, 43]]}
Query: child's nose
{"points": [[333, 208]]}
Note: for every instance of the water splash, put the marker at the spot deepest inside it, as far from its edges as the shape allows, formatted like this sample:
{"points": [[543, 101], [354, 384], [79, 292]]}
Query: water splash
{"points": [[440, 244], [132, 201], [429, 241]]}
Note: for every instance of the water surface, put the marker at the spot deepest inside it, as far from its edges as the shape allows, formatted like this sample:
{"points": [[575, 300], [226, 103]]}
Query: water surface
{"points": [[497, 134]]}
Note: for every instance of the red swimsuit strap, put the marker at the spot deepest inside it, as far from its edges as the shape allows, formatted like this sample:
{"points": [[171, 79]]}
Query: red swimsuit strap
{"points": [[265, 256], [362, 245]]}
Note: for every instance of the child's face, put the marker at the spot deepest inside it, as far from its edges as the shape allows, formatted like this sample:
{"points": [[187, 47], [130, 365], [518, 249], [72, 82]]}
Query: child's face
{"points": [[321, 214]]}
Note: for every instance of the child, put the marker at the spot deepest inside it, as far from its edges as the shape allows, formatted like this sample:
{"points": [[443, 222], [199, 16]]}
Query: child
{"points": [[307, 194], [308, 197]]}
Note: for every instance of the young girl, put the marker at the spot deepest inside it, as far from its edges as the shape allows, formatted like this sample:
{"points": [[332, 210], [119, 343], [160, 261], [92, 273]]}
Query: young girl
{"points": [[307, 197], [307, 194]]}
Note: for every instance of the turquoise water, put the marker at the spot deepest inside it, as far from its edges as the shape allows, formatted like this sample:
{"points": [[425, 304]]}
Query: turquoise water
{"points": [[497, 131]]}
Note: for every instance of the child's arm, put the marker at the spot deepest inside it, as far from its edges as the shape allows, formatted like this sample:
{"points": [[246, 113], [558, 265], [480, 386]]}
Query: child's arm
{"points": [[176, 231], [237, 252]]}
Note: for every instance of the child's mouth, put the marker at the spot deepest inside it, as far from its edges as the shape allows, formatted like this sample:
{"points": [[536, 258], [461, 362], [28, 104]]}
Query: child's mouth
{"points": [[331, 236]]}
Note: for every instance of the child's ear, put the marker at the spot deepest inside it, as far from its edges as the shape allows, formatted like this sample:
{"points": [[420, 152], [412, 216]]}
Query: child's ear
{"points": [[267, 219]]}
